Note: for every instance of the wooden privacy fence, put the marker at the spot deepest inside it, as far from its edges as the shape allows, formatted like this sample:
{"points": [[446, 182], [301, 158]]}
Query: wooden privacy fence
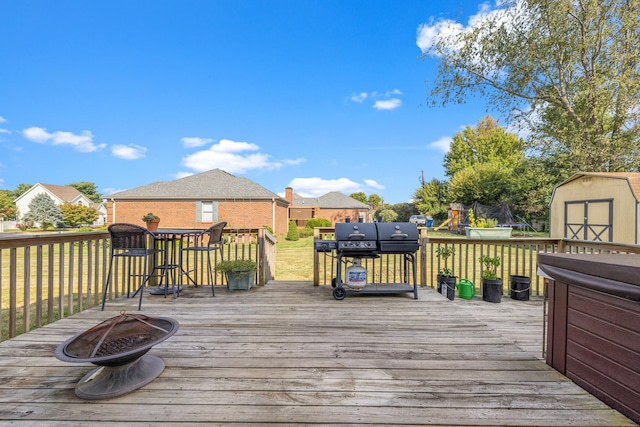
{"points": [[518, 257], [49, 276]]}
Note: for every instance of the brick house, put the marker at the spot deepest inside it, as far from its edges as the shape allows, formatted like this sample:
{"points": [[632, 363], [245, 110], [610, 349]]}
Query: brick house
{"points": [[199, 201], [334, 206]]}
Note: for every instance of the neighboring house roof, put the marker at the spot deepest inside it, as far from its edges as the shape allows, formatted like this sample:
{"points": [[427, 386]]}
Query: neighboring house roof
{"points": [[332, 200], [60, 193], [633, 178], [215, 184]]}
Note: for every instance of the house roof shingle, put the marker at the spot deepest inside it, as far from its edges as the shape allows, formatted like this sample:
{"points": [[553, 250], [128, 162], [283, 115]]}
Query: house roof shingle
{"points": [[63, 192], [214, 184], [331, 200]]}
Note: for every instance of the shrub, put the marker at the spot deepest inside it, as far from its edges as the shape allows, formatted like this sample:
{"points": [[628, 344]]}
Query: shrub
{"points": [[236, 265], [481, 222], [318, 222], [305, 232], [293, 233]]}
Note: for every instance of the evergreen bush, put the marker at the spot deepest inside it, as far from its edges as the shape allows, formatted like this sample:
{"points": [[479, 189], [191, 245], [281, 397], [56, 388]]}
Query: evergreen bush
{"points": [[293, 233]]}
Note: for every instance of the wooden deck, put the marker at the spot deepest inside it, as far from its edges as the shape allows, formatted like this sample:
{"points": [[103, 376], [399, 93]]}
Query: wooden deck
{"points": [[288, 354]]}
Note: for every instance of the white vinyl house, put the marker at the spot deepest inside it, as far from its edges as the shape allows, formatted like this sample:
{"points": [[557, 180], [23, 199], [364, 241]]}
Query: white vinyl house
{"points": [[60, 194]]}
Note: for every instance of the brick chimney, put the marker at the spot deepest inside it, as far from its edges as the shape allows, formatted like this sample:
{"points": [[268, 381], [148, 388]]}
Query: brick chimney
{"points": [[288, 194]]}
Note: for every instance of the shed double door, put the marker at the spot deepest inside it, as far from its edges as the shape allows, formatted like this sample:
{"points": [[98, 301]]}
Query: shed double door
{"points": [[589, 220]]}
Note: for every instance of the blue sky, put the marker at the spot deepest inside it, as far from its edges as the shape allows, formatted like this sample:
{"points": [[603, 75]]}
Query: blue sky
{"points": [[319, 95]]}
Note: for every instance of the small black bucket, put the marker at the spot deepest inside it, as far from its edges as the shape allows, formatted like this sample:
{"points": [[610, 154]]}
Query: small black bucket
{"points": [[447, 286], [492, 290], [520, 287]]}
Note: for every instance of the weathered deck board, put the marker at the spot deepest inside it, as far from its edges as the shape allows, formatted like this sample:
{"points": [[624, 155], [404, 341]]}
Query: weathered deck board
{"points": [[289, 354]]}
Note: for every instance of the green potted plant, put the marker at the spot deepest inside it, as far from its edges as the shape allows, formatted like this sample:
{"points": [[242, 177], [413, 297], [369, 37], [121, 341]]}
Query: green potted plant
{"points": [[486, 228], [152, 221], [446, 278], [491, 283], [240, 273]]}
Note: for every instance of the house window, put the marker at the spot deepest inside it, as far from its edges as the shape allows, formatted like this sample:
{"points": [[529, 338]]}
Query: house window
{"points": [[206, 211]]}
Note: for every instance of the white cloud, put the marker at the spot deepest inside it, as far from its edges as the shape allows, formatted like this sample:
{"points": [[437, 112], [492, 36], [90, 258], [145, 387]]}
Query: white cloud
{"points": [[294, 162], [128, 152], [190, 142], [4, 130], [373, 184], [36, 134], [232, 157], [429, 34], [442, 144], [2, 119], [109, 191], [316, 187], [359, 97], [182, 175], [388, 104], [380, 102], [83, 143]]}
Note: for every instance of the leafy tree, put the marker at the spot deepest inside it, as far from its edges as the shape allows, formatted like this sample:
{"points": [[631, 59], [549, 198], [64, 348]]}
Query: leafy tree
{"points": [[89, 189], [374, 201], [482, 164], [7, 206], [75, 215], [388, 215], [43, 209], [359, 196], [485, 143], [19, 190], [432, 198], [568, 70], [487, 183], [404, 211]]}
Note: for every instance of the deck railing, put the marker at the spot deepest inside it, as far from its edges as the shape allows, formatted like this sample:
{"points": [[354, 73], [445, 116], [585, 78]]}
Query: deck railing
{"points": [[48, 276], [518, 257]]}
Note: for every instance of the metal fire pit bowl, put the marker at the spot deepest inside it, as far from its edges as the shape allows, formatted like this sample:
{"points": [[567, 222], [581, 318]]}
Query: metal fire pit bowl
{"points": [[118, 346]]}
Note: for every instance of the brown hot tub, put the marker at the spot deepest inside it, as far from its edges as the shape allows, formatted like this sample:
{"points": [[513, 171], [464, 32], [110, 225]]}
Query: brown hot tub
{"points": [[594, 324]]}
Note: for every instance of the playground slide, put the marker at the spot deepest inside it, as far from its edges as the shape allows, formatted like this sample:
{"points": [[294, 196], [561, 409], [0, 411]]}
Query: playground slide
{"points": [[443, 224]]}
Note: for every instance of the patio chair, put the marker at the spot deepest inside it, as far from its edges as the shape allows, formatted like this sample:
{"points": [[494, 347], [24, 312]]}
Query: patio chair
{"points": [[206, 242], [129, 241]]}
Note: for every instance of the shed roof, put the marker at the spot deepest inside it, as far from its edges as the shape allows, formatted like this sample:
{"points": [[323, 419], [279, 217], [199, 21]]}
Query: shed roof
{"points": [[331, 200], [633, 178], [215, 184]]}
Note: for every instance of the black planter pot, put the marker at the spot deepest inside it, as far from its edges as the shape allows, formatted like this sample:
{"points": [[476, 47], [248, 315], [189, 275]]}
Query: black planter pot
{"points": [[492, 290], [447, 286]]}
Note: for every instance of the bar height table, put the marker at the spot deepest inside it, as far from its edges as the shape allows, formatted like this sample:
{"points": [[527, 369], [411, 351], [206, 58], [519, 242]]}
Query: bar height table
{"points": [[171, 241]]}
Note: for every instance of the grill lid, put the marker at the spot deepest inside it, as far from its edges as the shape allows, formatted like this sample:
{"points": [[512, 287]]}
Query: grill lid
{"points": [[397, 237], [357, 236]]}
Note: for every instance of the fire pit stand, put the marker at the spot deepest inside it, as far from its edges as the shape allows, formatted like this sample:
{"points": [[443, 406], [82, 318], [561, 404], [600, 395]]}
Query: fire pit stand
{"points": [[118, 346]]}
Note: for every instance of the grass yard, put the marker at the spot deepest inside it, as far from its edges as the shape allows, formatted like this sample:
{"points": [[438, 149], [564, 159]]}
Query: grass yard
{"points": [[294, 259]]}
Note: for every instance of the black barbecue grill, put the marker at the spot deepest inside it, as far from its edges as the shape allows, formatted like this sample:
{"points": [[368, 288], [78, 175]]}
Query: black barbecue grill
{"points": [[356, 241]]}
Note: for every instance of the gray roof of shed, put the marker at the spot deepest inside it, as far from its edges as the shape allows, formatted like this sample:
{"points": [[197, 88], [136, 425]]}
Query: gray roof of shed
{"points": [[332, 200], [215, 184]]}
